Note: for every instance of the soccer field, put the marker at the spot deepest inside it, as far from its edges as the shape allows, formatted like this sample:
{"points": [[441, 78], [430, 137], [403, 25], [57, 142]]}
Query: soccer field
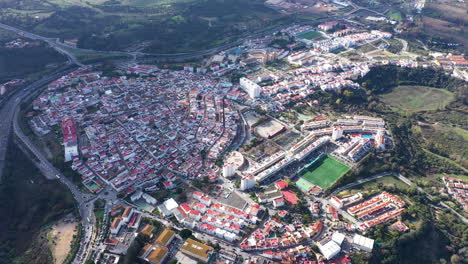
{"points": [[326, 173], [309, 35]]}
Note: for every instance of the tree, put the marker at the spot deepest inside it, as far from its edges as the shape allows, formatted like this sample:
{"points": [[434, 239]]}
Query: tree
{"points": [[185, 233], [455, 259]]}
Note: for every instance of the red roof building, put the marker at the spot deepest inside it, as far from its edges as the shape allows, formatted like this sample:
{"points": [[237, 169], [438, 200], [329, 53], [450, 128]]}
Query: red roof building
{"points": [[290, 197], [281, 185], [69, 131]]}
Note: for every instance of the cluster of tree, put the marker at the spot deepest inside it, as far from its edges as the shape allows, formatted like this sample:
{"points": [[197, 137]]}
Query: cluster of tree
{"points": [[384, 78], [425, 244], [30, 202], [134, 249], [18, 63], [253, 143]]}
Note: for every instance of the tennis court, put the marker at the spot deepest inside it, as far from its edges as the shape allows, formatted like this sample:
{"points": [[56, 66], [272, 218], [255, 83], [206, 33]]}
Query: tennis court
{"points": [[325, 172]]}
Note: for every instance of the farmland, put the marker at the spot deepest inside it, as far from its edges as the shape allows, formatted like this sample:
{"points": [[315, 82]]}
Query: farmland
{"points": [[417, 98]]}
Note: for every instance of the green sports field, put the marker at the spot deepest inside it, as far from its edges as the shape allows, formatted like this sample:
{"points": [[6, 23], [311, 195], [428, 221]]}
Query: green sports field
{"points": [[326, 173], [309, 35]]}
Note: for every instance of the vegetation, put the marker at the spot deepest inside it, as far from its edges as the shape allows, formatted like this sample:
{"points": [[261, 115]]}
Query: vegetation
{"points": [[185, 233], [18, 63], [426, 140], [417, 98], [134, 249], [156, 26], [30, 202]]}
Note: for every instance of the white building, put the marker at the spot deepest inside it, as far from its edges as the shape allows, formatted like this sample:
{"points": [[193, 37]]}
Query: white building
{"points": [[363, 243], [228, 170], [330, 249], [338, 238], [250, 87], [380, 140], [359, 151], [71, 150], [336, 202], [247, 182], [116, 225], [167, 207], [337, 133]]}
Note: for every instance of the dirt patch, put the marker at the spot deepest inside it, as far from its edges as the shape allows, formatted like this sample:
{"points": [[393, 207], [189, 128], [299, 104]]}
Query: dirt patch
{"points": [[61, 237], [269, 128]]}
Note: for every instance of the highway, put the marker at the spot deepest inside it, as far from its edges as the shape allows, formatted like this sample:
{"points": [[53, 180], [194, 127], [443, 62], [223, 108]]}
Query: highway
{"points": [[148, 57], [9, 111], [84, 201]]}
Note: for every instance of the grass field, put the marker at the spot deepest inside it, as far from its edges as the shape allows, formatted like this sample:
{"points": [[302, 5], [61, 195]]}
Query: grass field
{"points": [[395, 14], [374, 185], [326, 173], [309, 35], [417, 98]]}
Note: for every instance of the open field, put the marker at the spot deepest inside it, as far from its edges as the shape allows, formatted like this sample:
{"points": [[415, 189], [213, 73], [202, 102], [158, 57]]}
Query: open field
{"points": [[417, 98], [447, 21], [328, 171], [268, 128], [61, 237], [395, 14]]}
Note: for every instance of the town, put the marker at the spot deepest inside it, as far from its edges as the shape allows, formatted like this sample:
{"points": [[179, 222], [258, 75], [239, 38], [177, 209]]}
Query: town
{"points": [[235, 158]]}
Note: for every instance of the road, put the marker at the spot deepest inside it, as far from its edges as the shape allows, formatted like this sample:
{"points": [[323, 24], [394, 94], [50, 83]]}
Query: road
{"points": [[84, 201], [7, 109], [361, 181], [403, 179], [9, 112], [431, 198], [148, 57]]}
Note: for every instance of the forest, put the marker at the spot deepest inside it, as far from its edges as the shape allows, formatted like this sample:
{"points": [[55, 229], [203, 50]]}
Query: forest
{"points": [[31, 202]]}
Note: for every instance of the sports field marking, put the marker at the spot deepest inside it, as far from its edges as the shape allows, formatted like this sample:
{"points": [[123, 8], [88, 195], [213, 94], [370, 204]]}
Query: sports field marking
{"points": [[326, 173]]}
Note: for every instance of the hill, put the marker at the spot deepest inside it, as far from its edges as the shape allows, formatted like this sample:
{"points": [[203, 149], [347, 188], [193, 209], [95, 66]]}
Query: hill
{"points": [[30, 202], [154, 26]]}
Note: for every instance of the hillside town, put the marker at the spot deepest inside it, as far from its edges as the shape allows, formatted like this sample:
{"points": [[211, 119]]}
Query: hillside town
{"points": [[234, 158]]}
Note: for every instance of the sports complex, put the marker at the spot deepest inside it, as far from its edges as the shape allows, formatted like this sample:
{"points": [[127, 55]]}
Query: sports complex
{"points": [[323, 171]]}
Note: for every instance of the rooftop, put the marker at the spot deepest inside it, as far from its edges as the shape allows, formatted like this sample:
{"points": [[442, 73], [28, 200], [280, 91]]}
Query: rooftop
{"points": [[196, 248], [165, 236]]}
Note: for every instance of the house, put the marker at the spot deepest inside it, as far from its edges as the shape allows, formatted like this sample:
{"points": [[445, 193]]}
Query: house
{"points": [[147, 230], [278, 202], [166, 237], [116, 225], [127, 214], [196, 250], [155, 254]]}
